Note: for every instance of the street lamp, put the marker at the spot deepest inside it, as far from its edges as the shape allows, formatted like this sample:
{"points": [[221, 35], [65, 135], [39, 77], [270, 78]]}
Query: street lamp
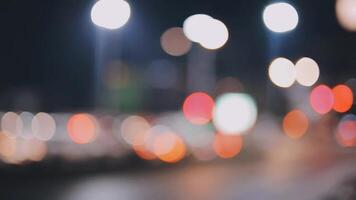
{"points": [[280, 17], [110, 14]]}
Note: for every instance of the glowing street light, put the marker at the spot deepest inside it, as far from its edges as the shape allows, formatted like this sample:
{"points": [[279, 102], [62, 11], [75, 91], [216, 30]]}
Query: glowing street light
{"points": [[210, 33], [280, 17], [195, 25], [282, 72], [216, 36], [346, 14], [307, 71], [234, 113], [110, 14]]}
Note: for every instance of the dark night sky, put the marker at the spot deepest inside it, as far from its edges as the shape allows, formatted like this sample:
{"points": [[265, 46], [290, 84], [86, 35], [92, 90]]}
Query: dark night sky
{"points": [[48, 47]]}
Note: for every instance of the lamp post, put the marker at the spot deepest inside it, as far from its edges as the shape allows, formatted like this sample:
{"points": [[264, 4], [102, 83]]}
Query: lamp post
{"points": [[108, 16]]}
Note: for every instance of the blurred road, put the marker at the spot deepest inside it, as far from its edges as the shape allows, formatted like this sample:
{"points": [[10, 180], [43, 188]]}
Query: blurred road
{"points": [[221, 181], [270, 167], [217, 180]]}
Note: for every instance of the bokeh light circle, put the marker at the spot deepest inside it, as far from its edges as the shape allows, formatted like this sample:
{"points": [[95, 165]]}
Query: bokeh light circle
{"points": [[134, 130], [234, 113], [110, 14], [321, 99], [307, 71], [343, 98], [144, 153], [82, 128], [210, 33], [280, 17], [194, 27], [216, 36], [295, 124], [174, 42], [198, 107], [346, 131], [11, 124], [346, 14], [169, 147], [227, 146], [43, 126], [282, 72], [137, 132]]}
